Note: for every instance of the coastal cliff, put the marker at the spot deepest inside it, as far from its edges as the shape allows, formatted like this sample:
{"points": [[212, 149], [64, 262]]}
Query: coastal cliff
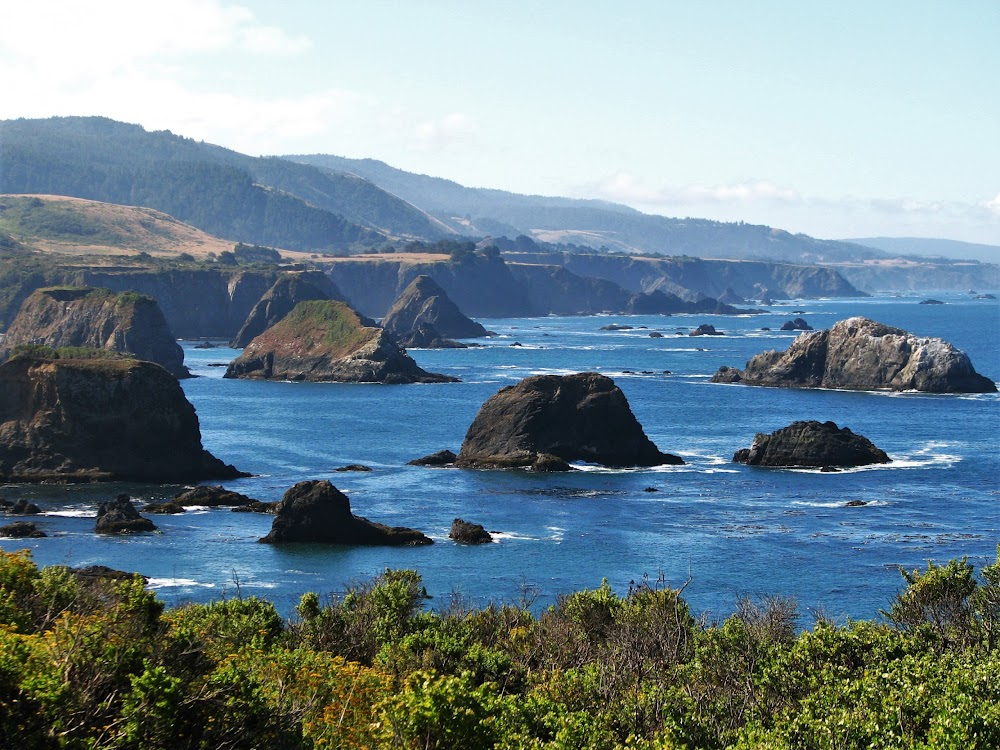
{"points": [[102, 419], [127, 323]]}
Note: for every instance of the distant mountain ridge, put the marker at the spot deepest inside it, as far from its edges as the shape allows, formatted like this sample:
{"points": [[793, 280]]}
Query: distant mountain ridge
{"points": [[479, 211], [933, 247]]}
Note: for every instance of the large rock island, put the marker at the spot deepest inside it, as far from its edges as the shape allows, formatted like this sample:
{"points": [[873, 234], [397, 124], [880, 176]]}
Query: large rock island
{"points": [[325, 340], [316, 511], [99, 419], [811, 444], [861, 354], [125, 322], [581, 417], [288, 291]]}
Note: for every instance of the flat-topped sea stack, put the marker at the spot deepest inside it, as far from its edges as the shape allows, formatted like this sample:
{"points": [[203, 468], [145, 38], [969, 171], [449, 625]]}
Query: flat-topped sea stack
{"points": [[288, 291], [422, 310], [861, 354], [316, 511], [87, 317], [327, 341], [811, 444], [78, 420], [581, 417]]}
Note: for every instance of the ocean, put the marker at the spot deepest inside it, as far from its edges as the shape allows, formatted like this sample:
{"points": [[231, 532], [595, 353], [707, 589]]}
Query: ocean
{"points": [[721, 530]]}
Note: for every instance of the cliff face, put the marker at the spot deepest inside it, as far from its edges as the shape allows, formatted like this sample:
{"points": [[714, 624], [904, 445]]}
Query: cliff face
{"points": [[861, 354], [281, 299], [127, 323], [425, 303], [328, 341], [99, 419]]}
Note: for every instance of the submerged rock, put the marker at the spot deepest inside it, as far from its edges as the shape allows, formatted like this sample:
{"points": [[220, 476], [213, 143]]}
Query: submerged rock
{"points": [[316, 511], [327, 341], [811, 444], [119, 516], [582, 417], [424, 316], [861, 354], [464, 532], [98, 420], [89, 318]]}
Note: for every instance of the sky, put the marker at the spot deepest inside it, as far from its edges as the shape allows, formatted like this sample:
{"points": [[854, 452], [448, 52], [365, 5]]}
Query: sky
{"points": [[836, 118]]}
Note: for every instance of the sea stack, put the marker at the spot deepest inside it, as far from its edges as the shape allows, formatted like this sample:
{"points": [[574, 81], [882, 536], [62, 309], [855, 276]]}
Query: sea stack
{"points": [[811, 444], [424, 316], [581, 417], [861, 354], [99, 420], [327, 341], [316, 511], [281, 299], [85, 317]]}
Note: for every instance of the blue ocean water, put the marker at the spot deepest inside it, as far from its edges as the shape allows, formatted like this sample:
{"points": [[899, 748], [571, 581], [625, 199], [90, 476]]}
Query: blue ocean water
{"points": [[725, 530]]}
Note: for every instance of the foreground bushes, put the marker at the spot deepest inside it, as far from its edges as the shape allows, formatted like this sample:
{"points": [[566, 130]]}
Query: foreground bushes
{"points": [[99, 663]]}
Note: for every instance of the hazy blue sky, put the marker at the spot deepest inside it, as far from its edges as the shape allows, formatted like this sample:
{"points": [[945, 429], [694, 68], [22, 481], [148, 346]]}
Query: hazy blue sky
{"points": [[838, 119]]}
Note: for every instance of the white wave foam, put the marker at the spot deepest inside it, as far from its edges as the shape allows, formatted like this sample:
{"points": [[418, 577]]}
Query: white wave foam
{"points": [[71, 513], [165, 583]]}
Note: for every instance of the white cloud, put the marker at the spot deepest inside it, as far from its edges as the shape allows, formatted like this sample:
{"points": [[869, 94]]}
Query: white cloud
{"points": [[437, 135], [625, 188], [993, 205]]}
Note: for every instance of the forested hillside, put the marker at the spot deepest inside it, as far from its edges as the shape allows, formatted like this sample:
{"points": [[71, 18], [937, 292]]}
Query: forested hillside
{"points": [[238, 197]]}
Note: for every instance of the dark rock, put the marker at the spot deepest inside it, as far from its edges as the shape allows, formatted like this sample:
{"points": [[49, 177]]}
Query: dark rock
{"points": [[706, 329], [288, 291], [327, 341], [582, 417], [255, 506], [21, 530], [84, 317], [354, 467], [811, 444], [119, 516], [829, 469], [206, 345], [97, 420], [727, 375], [796, 325], [441, 458], [171, 507], [316, 511], [517, 343], [861, 354], [548, 462], [211, 496], [97, 573], [931, 302], [986, 296], [615, 327], [650, 489], [464, 532], [21, 508], [656, 335], [424, 316], [765, 328], [855, 503], [729, 297]]}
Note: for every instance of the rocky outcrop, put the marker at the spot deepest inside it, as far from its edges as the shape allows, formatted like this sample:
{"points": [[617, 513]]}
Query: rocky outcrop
{"points": [[798, 324], [811, 444], [21, 508], [126, 322], [281, 299], [99, 419], [464, 532], [424, 315], [21, 530], [210, 496], [316, 511], [327, 341], [441, 458], [861, 354], [119, 516], [582, 417], [706, 329]]}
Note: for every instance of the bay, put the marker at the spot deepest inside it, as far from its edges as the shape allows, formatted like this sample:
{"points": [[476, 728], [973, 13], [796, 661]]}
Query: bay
{"points": [[722, 530]]}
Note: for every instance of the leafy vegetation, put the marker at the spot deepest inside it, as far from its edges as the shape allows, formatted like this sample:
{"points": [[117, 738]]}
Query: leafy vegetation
{"points": [[88, 663]]}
